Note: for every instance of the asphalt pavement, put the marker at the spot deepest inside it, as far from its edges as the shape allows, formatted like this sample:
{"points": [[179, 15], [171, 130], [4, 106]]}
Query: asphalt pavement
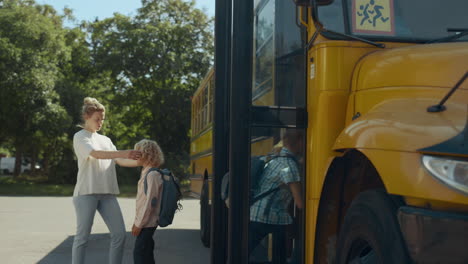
{"points": [[41, 230]]}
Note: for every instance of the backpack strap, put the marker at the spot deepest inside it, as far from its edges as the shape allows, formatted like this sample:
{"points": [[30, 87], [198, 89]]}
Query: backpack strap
{"points": [[166, 172], [273, 190], [264, 194], [146, 182], [272, 156], [162, 172]]}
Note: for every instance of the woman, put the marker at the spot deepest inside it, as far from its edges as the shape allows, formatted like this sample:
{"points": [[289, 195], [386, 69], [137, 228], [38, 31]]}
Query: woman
{"points": [[96, 187]]}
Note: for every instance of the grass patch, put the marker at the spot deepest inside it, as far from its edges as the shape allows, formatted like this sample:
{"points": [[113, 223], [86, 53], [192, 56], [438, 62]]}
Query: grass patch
{"points": [[26, 185], [127, 190], [13, 187], [22, 186]]}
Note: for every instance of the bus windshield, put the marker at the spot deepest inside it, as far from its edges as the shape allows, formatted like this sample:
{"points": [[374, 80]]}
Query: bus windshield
{"points": [[396, 20]]}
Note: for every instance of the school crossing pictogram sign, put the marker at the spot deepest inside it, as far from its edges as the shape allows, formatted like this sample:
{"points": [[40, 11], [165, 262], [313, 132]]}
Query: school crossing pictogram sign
{"points": [[374, 17]]}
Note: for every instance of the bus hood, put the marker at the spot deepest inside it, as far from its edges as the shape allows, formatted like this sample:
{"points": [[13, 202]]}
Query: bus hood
{"points": [[429, 65], [392, 91], [405, 125]]}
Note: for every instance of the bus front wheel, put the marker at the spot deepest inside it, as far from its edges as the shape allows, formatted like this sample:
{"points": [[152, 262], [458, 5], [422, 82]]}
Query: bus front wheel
{"points": [[205, 214], [371, 233]]}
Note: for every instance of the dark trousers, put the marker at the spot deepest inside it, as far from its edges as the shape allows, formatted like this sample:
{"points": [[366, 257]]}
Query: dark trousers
{"points": [[257, 231], [144, 247]]}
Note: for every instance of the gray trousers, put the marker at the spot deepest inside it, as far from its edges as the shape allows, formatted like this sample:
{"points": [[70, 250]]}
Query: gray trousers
{"points": [[109, 209]]}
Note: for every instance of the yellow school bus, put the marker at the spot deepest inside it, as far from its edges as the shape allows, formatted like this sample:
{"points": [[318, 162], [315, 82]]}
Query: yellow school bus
{"points": [[388, 165], [386, 102], [201, 171]]}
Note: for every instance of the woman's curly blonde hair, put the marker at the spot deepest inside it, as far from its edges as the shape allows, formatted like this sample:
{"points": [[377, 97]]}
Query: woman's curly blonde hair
{"points": [[151, 153]]}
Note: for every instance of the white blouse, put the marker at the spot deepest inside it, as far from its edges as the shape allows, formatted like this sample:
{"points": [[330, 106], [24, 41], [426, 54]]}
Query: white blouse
{"points": [[95, 176]]}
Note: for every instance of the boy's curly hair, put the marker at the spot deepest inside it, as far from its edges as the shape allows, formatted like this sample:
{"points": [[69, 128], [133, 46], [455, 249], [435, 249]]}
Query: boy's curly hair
{"points": [[151, 152]]}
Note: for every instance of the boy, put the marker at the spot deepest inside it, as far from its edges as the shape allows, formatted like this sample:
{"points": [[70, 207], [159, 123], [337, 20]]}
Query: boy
{"points": [[147, 203]]}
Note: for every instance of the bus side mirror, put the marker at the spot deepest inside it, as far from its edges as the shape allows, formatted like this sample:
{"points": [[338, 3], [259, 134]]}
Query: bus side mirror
{"points": [[312, 2], [323, 2], [302, 2]]}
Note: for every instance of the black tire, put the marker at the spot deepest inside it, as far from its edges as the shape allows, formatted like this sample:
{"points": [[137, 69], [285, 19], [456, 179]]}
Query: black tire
{"points": [[371, 233], [205, 214]]}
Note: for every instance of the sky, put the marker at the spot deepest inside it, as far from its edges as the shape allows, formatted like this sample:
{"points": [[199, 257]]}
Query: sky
{"points": [[90, 9]]}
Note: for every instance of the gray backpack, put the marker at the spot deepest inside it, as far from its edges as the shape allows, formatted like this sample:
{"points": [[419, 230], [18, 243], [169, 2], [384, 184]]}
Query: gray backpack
{"points": [[170, 197]]}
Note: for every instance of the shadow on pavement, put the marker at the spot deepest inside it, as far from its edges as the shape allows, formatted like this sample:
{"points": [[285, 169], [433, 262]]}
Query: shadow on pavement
{"points": [[171, 246]]}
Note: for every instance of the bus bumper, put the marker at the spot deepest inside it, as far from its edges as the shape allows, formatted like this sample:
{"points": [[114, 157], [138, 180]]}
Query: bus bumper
{"points": [[433, 236]]}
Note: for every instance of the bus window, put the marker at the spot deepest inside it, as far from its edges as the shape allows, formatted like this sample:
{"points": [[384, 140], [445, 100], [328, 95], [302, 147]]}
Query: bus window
{"points": [[394, 20], [279, 62], [289, 65], [211, 96], [205, 107], [263, 50], [332, 16]]}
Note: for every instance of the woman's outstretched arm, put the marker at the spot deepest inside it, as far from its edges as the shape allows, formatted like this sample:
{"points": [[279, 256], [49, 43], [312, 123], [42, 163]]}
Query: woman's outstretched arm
{"points": [[114, 154], [126, 162]]}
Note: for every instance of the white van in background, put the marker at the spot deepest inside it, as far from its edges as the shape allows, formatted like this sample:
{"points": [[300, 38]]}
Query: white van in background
{"points": [[7, 165]]}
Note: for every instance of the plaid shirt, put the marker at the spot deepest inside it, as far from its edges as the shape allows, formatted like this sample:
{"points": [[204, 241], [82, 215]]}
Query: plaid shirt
{"points": [[273, 209]]}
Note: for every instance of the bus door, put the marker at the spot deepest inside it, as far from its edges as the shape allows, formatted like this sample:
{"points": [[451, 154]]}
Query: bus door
{"points": [[278, 123], [267, 133]]}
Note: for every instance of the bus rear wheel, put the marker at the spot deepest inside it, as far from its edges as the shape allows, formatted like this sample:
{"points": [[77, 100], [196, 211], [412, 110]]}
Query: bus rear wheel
{"points": [[371, 233], [205, 214]]}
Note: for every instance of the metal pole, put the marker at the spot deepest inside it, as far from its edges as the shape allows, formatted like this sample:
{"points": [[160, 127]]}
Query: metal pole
{"points": [[240, 102], [223, 26]]}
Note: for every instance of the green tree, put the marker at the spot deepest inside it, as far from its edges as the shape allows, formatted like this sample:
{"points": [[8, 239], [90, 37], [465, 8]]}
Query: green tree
{"points": [[143, 69], [156, 62], [31, 48], [78, 79]]}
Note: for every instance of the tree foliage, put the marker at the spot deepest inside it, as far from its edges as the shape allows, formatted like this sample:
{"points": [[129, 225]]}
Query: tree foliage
{"points": [[143, 69], [31, 48], [156, 62]]}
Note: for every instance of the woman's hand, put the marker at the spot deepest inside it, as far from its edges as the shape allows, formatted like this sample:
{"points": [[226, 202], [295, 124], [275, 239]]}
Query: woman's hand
{"points": [[132, 154], [135, 230]]}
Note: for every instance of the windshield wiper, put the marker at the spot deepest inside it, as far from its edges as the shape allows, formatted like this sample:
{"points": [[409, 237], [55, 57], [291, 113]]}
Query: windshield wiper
{"points": [[321, 29], [460, 32], [379, 45]]}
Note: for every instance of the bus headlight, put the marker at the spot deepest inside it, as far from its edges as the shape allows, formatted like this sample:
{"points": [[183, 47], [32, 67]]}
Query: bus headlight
{"points": [[450, 171]]}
